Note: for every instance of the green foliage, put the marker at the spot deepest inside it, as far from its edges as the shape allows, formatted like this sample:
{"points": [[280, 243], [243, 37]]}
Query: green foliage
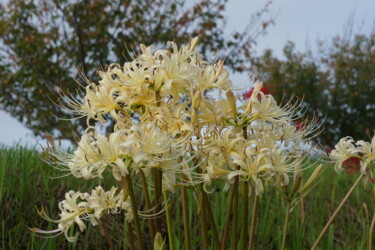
{"points": [[44, 44], [338, 83], [26, 182]]}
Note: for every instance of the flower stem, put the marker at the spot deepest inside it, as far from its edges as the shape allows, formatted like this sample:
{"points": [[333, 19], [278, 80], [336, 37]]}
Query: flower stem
{"points": [[130, 236], [148, 203], [128, 224], [302, 200], [160, 187], [234, 240], [211, 218], [253, 221], [286, 220], [330, 221], [157, 199], [106, 233], [135, 211], [202, 219], [227, 221], [245, 209], [245, 204], [185, 218], [369, 243], [169, 222]]}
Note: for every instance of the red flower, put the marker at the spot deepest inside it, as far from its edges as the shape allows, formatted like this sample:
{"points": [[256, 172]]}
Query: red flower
{"points": [[328, 148], [248, 94], [299, 125], [352, 165]]}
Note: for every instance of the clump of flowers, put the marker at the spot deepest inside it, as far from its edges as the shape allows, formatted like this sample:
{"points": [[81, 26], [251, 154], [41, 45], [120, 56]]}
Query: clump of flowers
{"points": [[176, 124], [79, 206], [361, 150]]}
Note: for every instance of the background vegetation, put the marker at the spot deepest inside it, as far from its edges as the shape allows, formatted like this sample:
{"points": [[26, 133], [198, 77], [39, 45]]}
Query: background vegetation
{"points": [[45, 44], [337, 83]]}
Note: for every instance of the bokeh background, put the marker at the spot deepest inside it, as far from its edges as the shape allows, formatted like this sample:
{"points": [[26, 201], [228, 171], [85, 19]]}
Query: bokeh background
{"points": [[294, 44]]}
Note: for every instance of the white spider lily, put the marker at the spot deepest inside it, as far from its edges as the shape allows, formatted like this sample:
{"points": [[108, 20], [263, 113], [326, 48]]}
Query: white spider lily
{"points": [[84, 206], [344, 150], [367, 151], [265, 108], [214, 76], [101, 201], [72, 209], [95, 153], [164, 120]]}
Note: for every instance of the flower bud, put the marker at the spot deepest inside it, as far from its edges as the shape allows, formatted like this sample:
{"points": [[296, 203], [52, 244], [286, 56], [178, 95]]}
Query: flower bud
{"points": [[232, 102], [193, 43], [197, 97], [312, 178], [296, 184]]}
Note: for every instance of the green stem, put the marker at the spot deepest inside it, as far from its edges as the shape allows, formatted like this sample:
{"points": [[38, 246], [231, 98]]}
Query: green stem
{"points": [[227, 220], [245, 204], [302, 210], [130, 236], [157, 221], [135, 211], [369, 243], [169, 221], [334, 181], [202, 219], [148, 204], [330, 221], [245, 211], [185, 218], [244, 132], [160, 187], [128, 224], [286, 220], [253, 221], [234, 240], [211, 218]]}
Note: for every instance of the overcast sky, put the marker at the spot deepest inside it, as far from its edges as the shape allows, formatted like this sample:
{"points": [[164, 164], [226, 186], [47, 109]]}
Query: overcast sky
{"points": [[300, 21]]}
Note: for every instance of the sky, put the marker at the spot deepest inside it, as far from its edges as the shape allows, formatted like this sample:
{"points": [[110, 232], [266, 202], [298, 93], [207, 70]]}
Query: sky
{"points": [[300, 21]]}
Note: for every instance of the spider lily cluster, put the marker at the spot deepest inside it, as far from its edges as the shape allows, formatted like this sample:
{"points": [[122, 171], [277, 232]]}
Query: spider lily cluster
{"points": [[347, 148], [178, 124]]}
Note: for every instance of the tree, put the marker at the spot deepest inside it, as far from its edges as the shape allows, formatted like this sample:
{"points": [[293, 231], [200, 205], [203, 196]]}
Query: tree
{"points": [[338, 83], [45, 44]]}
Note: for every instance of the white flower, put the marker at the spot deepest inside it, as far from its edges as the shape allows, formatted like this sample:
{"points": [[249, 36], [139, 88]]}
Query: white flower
{"points": [[367, 151], [95, 152], [214, 76], [79, 206], [101, 201], [72, 209], [344, 150], [265, 108]]}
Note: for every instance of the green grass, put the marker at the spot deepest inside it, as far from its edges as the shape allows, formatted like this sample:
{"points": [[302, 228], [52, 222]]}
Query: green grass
{"points": [[26, 183]]}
